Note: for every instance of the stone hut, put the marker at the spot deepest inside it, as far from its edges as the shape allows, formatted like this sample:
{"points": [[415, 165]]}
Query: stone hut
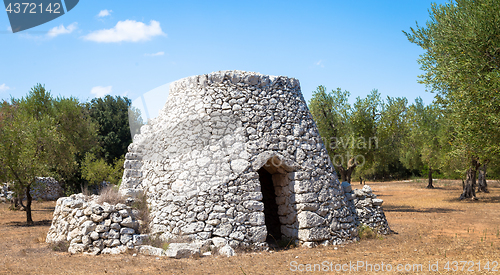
{"points": [[237, 155]]}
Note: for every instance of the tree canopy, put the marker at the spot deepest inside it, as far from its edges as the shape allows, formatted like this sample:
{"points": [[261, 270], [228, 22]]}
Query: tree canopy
{"points": [[461, 64], [112, 117], [362, 139], [41, 136]]}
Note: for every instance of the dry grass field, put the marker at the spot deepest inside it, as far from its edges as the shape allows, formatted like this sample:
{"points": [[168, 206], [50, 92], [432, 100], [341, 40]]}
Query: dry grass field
{"points": [[433, 227]]}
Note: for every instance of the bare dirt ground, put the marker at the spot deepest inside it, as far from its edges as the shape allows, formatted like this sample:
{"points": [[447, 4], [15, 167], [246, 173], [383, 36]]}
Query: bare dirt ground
{"points": [[434, 229]]}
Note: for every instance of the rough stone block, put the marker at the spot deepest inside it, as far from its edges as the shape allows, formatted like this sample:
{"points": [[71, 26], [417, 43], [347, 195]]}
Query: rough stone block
{"points": [[182, 250], [309, 219], [314, 234]]}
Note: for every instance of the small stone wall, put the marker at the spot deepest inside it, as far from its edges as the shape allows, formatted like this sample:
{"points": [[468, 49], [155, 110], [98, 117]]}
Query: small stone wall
{"points": [[368, 208], [105, 228], [44, 188], [5, 194], [94, 228]]}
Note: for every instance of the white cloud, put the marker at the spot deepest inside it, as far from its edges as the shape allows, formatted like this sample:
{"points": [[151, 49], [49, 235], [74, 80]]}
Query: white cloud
{"points": [[55, 31], [320, 63], [4, 87], [128, 31], [9, 28], [104, 13], [100, 91], [155, 54]]}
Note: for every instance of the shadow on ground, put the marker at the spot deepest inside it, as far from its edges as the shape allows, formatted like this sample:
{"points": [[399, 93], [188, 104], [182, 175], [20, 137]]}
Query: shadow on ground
{"points": [[484, 198], [45, 209], [493, 199], [404, 208], [35, 223]]}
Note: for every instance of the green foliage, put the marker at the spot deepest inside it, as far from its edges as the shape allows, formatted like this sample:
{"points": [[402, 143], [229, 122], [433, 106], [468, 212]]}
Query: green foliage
{"points": [[29, 142], [42, 136], [369, 132], [95, 171], [112, 116], [27, 146], [331, 113], [461, 63], [364, 118], [366, 232], [423, 145], [390, 132], [74, 123]]}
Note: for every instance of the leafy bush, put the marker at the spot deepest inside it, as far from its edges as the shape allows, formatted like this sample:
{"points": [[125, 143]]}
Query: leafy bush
{"points": [[96, 171]]}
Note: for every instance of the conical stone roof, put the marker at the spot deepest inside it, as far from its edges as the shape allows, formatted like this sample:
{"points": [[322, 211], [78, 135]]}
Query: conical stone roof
{"points": [[237, 155]]}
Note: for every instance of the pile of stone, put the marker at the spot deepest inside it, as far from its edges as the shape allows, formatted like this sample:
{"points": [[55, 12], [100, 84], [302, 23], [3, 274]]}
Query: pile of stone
{"points": [[92, 227], [368, 208], [44, 188], [105, 228], [5, 194]]}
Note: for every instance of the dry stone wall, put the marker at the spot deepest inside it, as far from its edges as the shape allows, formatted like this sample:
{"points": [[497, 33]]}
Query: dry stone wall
{"points": [[223, 144], [5, 194], [101, 228], [44, 188], [94, 228], [368, 208]]}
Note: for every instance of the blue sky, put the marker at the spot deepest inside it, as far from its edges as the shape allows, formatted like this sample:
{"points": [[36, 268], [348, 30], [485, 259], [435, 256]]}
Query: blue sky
{"points": [[131, 47]]}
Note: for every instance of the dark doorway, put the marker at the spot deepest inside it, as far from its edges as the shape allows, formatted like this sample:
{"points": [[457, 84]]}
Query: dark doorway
{"points": [[273, 223]]}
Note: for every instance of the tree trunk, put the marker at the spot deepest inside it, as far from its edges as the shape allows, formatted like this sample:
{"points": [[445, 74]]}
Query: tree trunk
{"points": [[360, 180], [17, 203], [481, 180], [345, 174], [430, 186], [342, 173], [470, 182], [29, 220]]}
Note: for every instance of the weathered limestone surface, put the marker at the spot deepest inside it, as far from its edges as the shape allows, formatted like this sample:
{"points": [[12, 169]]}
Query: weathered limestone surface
{"points": [[94, 228], [44, 188], [369, 210], [199, 162]]}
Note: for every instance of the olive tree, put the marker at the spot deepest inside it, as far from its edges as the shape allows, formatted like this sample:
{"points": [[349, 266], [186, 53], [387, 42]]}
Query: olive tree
{"points": [[461, 64]]}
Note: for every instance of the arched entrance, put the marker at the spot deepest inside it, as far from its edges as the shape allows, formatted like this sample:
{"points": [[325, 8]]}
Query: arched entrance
{"points": [[273, 223], [280, 213]]}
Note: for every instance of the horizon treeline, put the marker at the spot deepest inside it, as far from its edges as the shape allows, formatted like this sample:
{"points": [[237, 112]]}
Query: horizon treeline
{"points": [[390, 139]]}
